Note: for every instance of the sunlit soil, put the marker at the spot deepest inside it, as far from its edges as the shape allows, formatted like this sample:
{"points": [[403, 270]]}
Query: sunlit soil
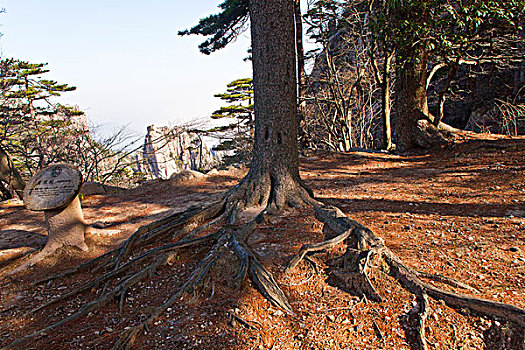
{"points": [[459, 212]]}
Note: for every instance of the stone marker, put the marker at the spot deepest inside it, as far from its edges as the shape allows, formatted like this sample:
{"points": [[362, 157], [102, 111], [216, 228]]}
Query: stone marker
{"points": [[54, 190], [53, 187]]}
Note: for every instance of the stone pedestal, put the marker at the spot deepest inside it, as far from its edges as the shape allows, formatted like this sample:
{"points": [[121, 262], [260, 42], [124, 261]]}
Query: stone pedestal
{"points": [[65, 227], [54, 190]]}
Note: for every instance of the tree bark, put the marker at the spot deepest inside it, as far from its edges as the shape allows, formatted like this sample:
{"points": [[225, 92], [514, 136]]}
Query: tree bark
{"points": [[452, 70], [413, 104], [9, 174], [385, 102], [274, 171]]}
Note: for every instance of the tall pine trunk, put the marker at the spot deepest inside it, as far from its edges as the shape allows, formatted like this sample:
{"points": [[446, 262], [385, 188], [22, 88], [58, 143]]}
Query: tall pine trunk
{"points": [[274, 171]]}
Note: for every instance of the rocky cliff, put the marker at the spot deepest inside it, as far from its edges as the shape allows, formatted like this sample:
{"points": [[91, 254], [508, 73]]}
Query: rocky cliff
{"points": [[168, 151]]}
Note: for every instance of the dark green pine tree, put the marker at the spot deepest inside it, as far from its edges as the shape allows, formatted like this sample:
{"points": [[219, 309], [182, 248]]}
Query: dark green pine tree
{"points": [[239, 94], [30, 119], [238, 133], [223, 27], [233, 19], [25, 95]]}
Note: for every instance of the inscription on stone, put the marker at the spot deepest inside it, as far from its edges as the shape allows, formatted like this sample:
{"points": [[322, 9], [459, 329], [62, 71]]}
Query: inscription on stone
{"points": [[53, 187]]}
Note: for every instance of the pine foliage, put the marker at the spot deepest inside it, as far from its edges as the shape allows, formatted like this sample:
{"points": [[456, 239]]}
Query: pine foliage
{"points": [[223, 27], [237, 135]]}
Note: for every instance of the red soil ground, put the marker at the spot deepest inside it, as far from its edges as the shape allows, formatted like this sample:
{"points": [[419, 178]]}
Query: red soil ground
{"points": [[459, 212]]}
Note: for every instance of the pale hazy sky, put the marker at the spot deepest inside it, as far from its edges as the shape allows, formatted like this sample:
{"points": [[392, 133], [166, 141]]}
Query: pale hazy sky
{"points": [[124, 56]]}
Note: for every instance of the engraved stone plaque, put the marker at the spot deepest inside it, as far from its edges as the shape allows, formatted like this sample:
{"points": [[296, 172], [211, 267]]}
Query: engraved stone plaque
{"points": [[53, 187]]}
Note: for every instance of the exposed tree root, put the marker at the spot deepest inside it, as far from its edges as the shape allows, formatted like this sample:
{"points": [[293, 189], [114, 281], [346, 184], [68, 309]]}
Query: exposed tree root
{"points": [[150, 253], [308, 248], [127, 338], [415, 323], [428, 135], [232, 237], [243, 322], [262, 279], [362, 244], [363, 247], [446, 280], [156, 230], [124, 261]]}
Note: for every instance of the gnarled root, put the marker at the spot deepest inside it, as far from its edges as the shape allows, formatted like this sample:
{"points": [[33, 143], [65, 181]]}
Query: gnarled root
{"points": [[133, 266], [428, 135], [365, 253], [232, 237], [261, 278], [354, 273], [415, 323], [128, 337], [159, 229]]}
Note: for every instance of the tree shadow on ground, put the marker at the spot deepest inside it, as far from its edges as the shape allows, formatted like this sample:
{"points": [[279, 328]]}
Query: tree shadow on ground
{"points": [[350, 206], [15, 244], [10, 239]]}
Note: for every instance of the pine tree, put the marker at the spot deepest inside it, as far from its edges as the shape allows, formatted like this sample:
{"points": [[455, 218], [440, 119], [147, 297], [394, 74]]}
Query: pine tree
{"points": [[238, 133], [30, 120], [272, 183], [223, 27]]}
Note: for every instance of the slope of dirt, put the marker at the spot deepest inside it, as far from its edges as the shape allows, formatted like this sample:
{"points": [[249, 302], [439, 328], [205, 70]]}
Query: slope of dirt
{"points": [[459, 212]]}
